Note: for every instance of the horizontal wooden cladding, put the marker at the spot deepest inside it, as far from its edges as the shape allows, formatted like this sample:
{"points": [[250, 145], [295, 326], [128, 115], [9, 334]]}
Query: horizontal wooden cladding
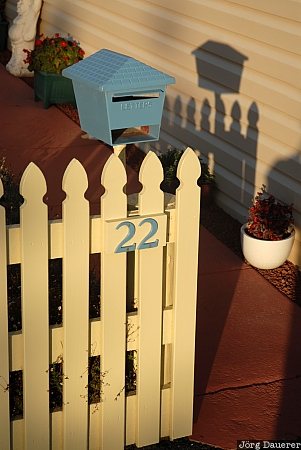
{"points": [[230, 78], [247, 167], [269, 29], [254, 169], [274, 93], [136, 23], [162, 50], [270, 121], [253, 85], [239, 174], [201, 118], [289, 9], [176, 34]]}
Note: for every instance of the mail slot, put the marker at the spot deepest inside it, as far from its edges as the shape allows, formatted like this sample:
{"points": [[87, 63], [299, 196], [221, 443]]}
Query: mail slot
{"points": [[119, 99]]}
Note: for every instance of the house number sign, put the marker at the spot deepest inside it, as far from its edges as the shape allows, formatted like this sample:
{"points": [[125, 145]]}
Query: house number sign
{"points": [[134, 233]]}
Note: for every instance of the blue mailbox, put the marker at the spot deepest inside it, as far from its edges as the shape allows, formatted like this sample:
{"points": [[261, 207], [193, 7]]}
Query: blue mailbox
{"points": [[119, 99]]}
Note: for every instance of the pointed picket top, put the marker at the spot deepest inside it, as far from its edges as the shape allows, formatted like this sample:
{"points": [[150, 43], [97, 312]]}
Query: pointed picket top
{"points": [[75, 180], [151, 198], [189, 167], [34, 276], [187, 222], [33, 184], [113, 179], [75, 215]]}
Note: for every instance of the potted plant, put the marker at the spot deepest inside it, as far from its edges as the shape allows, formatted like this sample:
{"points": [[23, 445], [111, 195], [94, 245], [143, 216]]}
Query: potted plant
{"points": [[268, 236], [47, 60], [3, 26], [170, 160]]}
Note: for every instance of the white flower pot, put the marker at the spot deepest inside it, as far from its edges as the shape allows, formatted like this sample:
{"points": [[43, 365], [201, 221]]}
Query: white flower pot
{"points": [[265, 254]]}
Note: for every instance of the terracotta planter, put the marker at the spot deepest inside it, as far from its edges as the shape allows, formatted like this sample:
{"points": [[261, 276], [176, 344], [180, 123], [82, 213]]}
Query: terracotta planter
{"points": [[265, 254], [53, 89]]}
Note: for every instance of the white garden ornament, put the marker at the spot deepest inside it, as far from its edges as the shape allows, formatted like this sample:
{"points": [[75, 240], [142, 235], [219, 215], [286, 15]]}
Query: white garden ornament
{"points": [[22, 35]]}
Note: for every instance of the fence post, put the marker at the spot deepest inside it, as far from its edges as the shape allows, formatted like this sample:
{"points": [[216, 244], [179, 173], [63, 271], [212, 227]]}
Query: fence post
{"points": [[113, 313], [185, 289], [4, 354], [35, 324]]}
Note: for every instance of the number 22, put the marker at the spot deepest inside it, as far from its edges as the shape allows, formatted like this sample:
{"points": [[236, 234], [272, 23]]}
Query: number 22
{"points": [[144, 244]]}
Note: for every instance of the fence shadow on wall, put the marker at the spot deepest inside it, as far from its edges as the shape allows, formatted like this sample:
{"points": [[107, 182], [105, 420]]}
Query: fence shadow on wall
{"points": [[225, 129], [219, 70], [289, 423]]}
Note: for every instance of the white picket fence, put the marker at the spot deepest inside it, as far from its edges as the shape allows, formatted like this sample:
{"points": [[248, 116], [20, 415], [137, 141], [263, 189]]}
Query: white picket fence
{"points": [[165, 242]]}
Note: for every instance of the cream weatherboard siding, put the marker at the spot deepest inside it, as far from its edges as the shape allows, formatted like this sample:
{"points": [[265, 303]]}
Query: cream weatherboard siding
{"points": [[237, 97]]}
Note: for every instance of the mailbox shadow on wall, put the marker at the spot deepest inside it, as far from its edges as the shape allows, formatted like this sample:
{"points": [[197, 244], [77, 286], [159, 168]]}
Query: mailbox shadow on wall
{"points": [[220, 70], [119, 99], [222, 78]]}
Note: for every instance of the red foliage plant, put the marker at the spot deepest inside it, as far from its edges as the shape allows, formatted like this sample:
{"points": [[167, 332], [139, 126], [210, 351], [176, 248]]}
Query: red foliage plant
{"points": [[269, 219], [53, 54]]}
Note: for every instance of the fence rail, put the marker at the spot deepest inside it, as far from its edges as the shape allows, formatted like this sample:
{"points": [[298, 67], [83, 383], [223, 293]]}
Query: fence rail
{"points": [[155, 247]]}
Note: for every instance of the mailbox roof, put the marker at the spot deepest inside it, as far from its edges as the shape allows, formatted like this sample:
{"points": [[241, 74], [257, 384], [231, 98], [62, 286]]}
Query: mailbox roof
{"points": [[110, 71]]}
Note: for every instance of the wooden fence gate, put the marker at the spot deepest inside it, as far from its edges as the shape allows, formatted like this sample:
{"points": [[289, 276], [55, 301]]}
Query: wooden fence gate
{"points": [[155, 246]]}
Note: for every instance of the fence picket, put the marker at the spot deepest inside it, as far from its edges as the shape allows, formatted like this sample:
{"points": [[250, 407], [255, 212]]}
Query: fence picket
{"points": [[113, 313], [150, 263], [75, 307], [186, 256], [4, 358], [34, 277]]}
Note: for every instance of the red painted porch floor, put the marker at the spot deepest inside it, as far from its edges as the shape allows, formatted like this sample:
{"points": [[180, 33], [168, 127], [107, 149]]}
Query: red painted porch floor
{"points": [[248, 357]]}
